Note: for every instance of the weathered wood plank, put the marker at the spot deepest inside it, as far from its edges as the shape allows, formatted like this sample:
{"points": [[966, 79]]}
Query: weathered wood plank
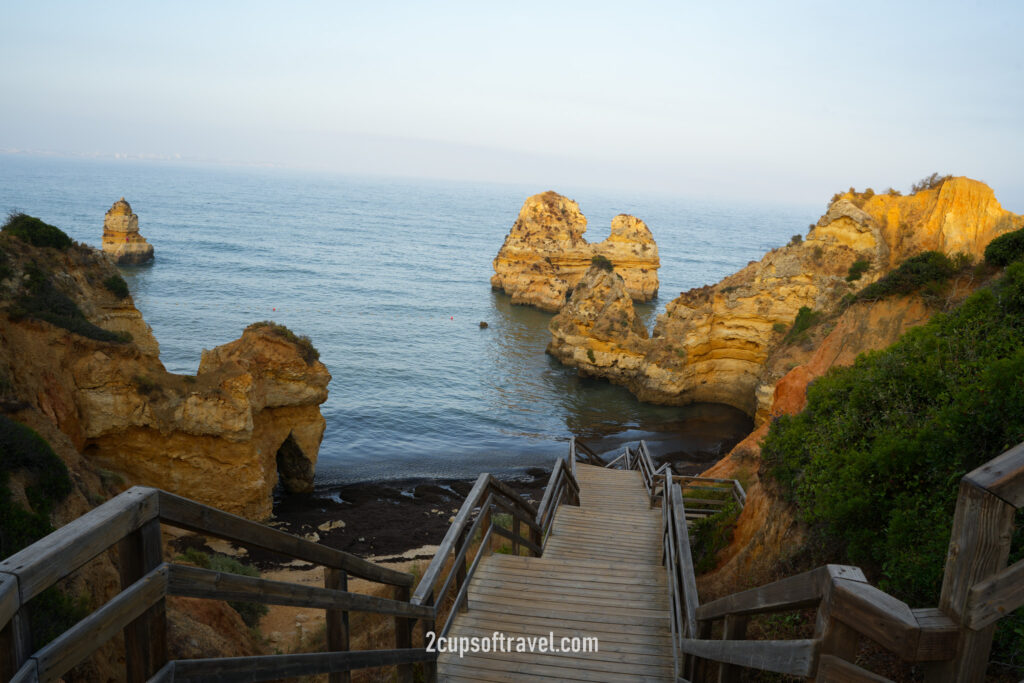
{"points": [[505, 533], [993, 598], [832, 669], [611, 632], [15, 643], [9, 599], [735, 628], [187, 514], [1003, 476], [448, 545], [794, 592], [76, 644], [52, 558], [939, 635], [26, 674], [793, 657], [877, 615], [276, 667], [164, 675], [684, 559], [336, 622], [979, 546], [195, 582], [145, 639]]}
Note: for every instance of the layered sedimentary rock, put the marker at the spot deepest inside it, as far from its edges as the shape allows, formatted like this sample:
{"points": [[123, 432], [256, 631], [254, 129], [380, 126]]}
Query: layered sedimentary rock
{"points": [[121, 238], [712, 342], [545, 253], [221, 437], [767, 532]]}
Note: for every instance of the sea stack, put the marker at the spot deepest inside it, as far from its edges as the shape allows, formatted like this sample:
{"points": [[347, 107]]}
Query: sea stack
{"points": [[545, 254], [121, 238]]}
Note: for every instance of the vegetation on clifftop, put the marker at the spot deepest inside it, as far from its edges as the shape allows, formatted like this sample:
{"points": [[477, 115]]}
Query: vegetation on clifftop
{"points": [[309, 352], [873, 462], [34, 231]]}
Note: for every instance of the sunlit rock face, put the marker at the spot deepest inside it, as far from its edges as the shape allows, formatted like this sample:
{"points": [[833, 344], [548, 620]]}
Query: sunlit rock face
{"points": [[250, 417], [712, 342], [545, 254], [121, 238]]}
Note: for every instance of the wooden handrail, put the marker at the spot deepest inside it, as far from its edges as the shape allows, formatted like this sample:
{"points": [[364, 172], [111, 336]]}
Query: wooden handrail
{"points": [[578, 448], [132, 522]]}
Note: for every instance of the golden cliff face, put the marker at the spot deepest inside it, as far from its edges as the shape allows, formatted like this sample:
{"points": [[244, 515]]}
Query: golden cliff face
{"points": [[712, 343], [545, 253], [121, 238], [597, 330], [223, 437]]}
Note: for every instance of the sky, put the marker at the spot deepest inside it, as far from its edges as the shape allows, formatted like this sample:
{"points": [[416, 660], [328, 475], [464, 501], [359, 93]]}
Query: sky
{"points": [[777, 101]]}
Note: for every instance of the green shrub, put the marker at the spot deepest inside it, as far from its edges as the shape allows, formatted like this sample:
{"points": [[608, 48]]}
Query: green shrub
{"points": [[857, 270], [251, 612], [893, 192], [590, 356], [21, 448], [309, 353], [805, 317], [712, 533], [602, 262], [929, 182], [779, 328], [34, 231], [41, 300], [795, 240], [5, 268], [912, 275], [873, 462], [116, 284], [1005, 249]]}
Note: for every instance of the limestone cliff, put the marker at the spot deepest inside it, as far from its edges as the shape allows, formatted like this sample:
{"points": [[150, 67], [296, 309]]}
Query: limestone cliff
{"points": [[545, 253], [121, 238], [75, 350], [712, 343]]}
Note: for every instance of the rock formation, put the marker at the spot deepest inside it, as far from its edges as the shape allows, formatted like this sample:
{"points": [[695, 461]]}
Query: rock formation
{"points": [[545, 253], [712, 343], [121, 238], [223, 437]]}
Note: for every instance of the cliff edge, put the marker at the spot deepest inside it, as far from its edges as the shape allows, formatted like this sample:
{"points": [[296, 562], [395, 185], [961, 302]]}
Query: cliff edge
{"points": [[712, 343], [76, 352]]}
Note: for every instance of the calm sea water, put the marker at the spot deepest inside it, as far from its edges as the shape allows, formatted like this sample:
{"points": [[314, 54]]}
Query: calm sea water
{"points": [[390, 279]]}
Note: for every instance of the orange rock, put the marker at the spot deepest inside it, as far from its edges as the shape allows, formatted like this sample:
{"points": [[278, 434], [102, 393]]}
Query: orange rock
{"points": [[545, 253]]}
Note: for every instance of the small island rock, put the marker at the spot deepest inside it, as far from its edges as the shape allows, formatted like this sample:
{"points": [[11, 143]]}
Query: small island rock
{"points": [[121, 238]]}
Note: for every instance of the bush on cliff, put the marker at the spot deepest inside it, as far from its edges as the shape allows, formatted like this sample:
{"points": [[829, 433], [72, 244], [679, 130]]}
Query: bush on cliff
{"points": [[23, 450], [1005, 249], [928, 271], [117, 286], [310, 354], [929, 182], [602, 262], [857, 270], [42, 300], [873, 462], [34, 231]]}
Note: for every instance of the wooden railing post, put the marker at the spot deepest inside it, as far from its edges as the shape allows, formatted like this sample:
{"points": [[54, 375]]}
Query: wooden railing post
{"points": [[15, 644], [735, 629], [145, 639], [460, 570], [978, 548], [430, 626], [403, 634], [337, 621]]}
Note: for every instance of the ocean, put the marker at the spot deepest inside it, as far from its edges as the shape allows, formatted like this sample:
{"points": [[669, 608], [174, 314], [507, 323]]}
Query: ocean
{"points": [[390, 279]]}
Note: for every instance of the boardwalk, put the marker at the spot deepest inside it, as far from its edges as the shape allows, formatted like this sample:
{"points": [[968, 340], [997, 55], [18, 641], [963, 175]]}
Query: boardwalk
{"points": [[600, 576]]}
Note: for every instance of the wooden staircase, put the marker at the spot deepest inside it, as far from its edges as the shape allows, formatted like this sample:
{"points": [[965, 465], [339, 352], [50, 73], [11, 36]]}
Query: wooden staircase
{"points": [[601, 576]]}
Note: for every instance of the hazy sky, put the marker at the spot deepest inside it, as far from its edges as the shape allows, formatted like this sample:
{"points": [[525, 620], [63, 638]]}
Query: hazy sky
{"points": [[789, 101]]}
